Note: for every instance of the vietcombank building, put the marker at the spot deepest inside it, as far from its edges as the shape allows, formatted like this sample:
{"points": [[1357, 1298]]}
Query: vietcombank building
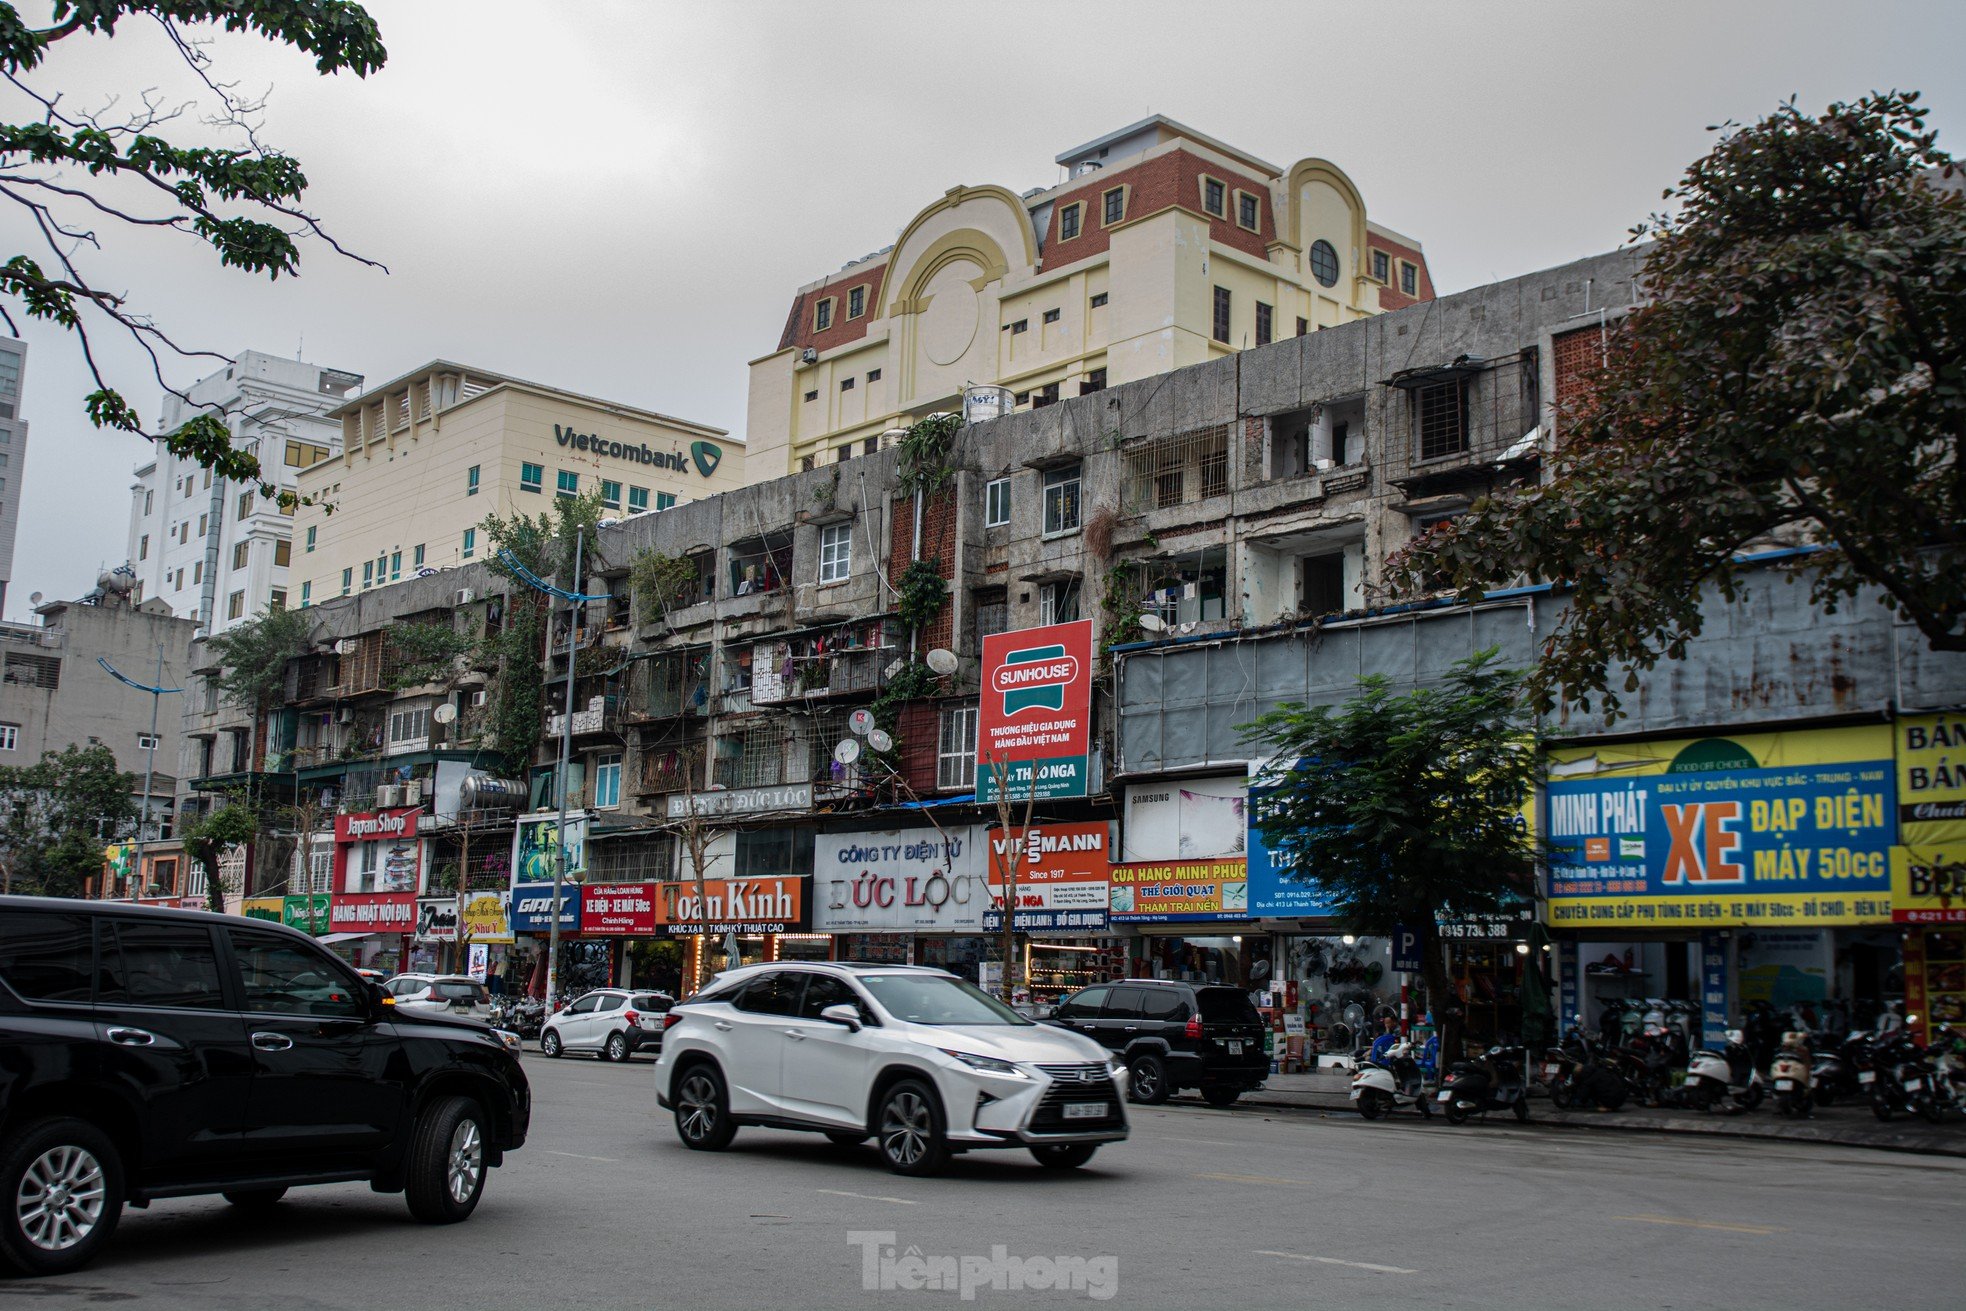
{"points": [[427, 457]]}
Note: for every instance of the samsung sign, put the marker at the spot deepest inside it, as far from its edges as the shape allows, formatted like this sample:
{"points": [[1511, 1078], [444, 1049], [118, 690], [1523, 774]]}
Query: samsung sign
{"points": [[704, 455]]}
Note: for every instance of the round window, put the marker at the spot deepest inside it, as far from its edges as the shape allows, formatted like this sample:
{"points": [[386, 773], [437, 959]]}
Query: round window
{"points": [[1324, 263]]}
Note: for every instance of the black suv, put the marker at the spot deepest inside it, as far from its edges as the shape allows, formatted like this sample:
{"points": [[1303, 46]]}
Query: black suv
{"points": [[1174, 1036], [148, 1053]]}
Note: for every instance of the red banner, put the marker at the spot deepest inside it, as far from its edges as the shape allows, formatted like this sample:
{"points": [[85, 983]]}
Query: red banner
{"points": [[372, 912], [1035, 712], [618, 909], [382, 826]]}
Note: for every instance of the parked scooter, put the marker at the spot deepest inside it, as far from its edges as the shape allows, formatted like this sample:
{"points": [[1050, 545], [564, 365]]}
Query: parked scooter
{"points": [[1383, 1086], [1908, 1078], [521, 1015], [1580, 1077], [1492, 1083], [1717, 1078], [1839, 1075], [1791, 1073]]}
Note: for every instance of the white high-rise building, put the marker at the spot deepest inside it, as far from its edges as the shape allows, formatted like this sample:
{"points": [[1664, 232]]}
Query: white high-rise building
{"points": [[219, 551], [13, 454]]}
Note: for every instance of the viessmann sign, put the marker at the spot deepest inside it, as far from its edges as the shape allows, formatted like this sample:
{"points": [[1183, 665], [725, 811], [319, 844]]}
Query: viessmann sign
{"points": [[1036, 712], [704, 456]]}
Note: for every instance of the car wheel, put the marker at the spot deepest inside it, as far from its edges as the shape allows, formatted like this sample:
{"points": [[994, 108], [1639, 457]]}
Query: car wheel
{"points": [[61, 1183], [911, 1132], [1147, 1080], [841, 1138], [1064, 1156], [446, 1175], [254, 1200], [1370, 1105], [1220, 1096], [617, 1047], [703, 1110], [549, 1042]]}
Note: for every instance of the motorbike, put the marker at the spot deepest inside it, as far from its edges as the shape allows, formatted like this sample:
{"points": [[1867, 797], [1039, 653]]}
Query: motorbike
{"points": [[1903, 1078], [1492, 1083], [1791, 1073], [1579, 1076], [1383, 1086], [1714, 1078], [521, 1015], [1838, 1074]]}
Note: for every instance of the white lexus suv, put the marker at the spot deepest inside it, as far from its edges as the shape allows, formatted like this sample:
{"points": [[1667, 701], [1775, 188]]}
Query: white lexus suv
{"points": [[917, 1059]]}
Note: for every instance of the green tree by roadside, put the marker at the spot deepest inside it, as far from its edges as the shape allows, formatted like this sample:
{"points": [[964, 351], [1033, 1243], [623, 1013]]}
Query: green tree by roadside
{"points": [[209, 835], [1400, 807], [1797, 374], [58, 814]]}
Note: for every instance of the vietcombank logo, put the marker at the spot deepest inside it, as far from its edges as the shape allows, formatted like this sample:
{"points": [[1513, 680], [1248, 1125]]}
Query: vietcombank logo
{"points": [[707, 456], [1035, 678]]}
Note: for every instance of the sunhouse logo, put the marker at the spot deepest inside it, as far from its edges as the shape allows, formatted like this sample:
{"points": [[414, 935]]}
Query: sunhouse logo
{"points": [[1035, 678]]}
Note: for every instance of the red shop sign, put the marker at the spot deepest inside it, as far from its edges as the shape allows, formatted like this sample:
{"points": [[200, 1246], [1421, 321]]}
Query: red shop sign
{"points": [[372, 912], [621, 909], [381, 826]]}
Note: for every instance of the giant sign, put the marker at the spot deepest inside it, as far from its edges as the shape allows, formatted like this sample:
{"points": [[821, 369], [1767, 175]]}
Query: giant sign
{"points": [[884, 880], [1777, 829], [1035, 720], [1062, 872], [532, 908]]}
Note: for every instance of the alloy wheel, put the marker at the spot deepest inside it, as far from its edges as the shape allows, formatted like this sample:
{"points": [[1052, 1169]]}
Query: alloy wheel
{"points": [[59, 1201], [467, 1160], [906, 1125], [698, 1101]]}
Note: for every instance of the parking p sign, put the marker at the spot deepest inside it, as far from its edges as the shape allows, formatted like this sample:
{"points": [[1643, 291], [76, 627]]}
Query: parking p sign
{"points": [[1406, 950]]}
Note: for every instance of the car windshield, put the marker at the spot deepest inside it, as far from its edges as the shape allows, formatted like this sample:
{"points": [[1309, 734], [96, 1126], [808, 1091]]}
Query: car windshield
{"points": [[458, 991], [934, 999], [1226, 1006]]}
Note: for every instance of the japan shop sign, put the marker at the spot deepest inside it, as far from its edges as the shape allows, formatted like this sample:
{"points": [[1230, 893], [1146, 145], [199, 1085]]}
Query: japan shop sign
{"points": [[1773, 829], [1035, 712], [397, 862], [1180, 891], [372, 912], [618, 909], [908, 879], [1063, 872], [532, 908], [766, 905]]}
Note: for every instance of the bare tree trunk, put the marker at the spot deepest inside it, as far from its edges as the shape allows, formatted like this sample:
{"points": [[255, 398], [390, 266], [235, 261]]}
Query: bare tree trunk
{"points": [[1441, 997]]}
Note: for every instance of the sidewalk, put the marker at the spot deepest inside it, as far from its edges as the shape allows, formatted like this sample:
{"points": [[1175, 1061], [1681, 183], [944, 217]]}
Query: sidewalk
{"points": [[1844, 1126]]}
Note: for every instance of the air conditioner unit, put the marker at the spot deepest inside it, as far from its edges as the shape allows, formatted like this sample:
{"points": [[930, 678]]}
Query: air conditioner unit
{"points": [[413, 792], [345, 715], [809, 355], [389, 796], [465, 596], [49, 637], [478, 697]]}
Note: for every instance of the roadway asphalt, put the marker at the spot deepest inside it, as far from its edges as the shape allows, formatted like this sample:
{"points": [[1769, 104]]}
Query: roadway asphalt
{"points": [[1242, 1208]]}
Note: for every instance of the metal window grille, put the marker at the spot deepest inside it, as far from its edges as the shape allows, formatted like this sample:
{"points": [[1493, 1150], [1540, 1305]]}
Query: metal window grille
{"points": [[955, 757], [1061, 500], [1440, 414], [649, 857], [1175, 470], [670, 767], [28, 670]]}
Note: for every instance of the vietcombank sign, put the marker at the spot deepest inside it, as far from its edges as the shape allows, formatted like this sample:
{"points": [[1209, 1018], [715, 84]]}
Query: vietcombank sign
{"points": [[1036, 715]]}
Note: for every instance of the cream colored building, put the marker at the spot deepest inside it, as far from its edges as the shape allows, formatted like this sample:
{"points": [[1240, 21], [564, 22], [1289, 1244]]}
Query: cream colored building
{"points": [[427, 457], [1162, 248]]}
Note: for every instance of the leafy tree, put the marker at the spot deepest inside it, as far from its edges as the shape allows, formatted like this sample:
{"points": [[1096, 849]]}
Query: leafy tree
{"points": [[1400, 807], [424, 653], [208, 836], [56, 816], [1798, 375], [79, 177], [543, 544], [253, 657]]}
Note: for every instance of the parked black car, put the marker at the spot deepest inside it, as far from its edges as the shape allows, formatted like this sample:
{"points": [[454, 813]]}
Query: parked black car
{"points": [[1174, 1036], [149, 1053]]}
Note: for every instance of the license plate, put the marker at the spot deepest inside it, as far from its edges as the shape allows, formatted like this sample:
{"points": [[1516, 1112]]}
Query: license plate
{"points": [[1914, 1085], [1446, 1095], [1085, 1110], [1235, 1048], [1784, 1085], [1549, 1071], [1866, 1076]]}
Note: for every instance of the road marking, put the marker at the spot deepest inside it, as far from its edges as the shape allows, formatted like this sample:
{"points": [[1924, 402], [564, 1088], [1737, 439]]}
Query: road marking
{"points": [[578, 1157], [866, 1197], [1700, 1224], [1332, 1260], [1256, 1179]]}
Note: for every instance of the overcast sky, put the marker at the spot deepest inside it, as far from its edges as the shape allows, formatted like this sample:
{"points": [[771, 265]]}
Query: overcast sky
{"points": [[620, 198]]}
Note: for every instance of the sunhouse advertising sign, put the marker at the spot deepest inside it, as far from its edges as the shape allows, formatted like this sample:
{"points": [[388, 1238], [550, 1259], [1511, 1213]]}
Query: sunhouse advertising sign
{"points": [[1761, 829], [1035, 721]]}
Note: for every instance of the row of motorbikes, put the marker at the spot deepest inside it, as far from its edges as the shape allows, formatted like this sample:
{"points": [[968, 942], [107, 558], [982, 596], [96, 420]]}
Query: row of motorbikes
{"points": [[520, 1015], [1654, 1063]]}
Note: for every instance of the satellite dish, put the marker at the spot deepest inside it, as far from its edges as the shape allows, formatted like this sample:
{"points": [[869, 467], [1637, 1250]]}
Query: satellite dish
{"points": [[879, 740], [35, 599], [861, 722], [1153, 623], [445, 714], [941, 661], [896, 666], [346, 646], [847, 752]]}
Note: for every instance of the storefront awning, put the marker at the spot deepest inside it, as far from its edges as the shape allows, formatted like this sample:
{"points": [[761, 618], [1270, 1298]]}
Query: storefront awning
{"points": [[343, 937]]}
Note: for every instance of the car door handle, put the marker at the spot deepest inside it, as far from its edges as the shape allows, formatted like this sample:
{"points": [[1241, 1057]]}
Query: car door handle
{"points": [[132, 1037], [796, 1033], [721, 1027], [272, 1042], [1130, 1028]]}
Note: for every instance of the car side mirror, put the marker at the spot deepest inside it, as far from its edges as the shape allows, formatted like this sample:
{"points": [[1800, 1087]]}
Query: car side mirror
{"points": [[842, 1014], [379, 1001]]}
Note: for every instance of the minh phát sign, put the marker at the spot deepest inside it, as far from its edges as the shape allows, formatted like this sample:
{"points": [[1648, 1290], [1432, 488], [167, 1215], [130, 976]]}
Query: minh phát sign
{"points": [[1774, 829], [1035, 713]]}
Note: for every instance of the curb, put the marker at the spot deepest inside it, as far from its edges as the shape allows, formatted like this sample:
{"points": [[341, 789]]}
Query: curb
{"points": [[1788, 1132]]}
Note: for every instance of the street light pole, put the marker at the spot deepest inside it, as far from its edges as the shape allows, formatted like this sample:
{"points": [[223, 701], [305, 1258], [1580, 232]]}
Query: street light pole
{"points": [[149, 765], [566, 761]]}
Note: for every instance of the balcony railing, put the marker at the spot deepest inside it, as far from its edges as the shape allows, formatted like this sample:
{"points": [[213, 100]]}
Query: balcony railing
{"points": [[601, 714]]}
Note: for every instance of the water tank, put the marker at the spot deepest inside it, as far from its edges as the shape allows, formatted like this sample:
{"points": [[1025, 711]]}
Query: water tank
{"points": [[483, 792], [980, 403]]}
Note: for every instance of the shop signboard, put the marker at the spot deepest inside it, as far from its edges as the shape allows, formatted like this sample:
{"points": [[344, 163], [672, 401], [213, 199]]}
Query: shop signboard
{"points": [[532, 908], [262, 908], [618, 909], [536, 847], [395, 864], [1713, 990], [308, 913], [1928, 884], [919, 879], [1931, 753], [372, 912], [1273, 891], [1504, 926], [436, 919], [1063, 873], [486, 917], [741, 801], [1180, 892], [1777, 829], [1187, 819], [480, 961], [1035, 715], [751, 905]]}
